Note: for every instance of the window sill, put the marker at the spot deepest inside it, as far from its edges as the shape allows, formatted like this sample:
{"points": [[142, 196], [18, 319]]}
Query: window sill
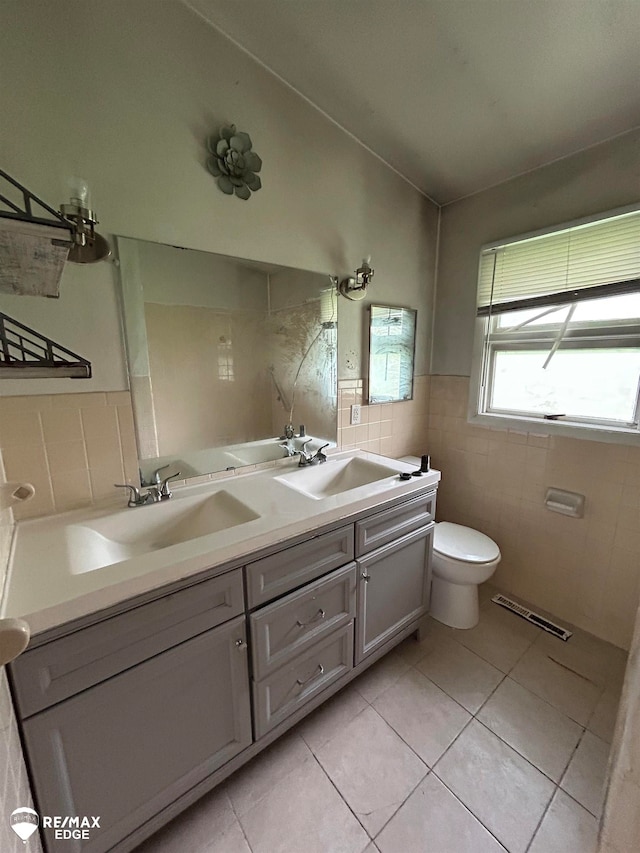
{"points": [[538, 426]]}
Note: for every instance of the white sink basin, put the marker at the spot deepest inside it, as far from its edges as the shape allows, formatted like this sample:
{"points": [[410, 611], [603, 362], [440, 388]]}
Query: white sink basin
{"points": [[335, 477], [102, 542]]}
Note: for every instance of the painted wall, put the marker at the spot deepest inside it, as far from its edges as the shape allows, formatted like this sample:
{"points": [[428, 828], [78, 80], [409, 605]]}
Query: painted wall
{"points": [[133, 124], [596, 180]]}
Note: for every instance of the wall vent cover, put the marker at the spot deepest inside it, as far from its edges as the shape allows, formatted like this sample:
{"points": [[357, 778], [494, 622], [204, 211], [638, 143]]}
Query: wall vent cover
{"points": [[532, 617]]}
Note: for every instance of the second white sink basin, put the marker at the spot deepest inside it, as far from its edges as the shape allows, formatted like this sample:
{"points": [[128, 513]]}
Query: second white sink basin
{"points": [[335, 477], [132, 532]]}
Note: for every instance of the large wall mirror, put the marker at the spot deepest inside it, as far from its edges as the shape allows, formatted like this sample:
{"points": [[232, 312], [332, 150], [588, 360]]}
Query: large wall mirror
{"points": [[224, 354], [392, 343]]}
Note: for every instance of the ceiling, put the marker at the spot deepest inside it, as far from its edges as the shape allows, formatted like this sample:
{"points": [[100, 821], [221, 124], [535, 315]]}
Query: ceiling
{"points": [[456, 95]]}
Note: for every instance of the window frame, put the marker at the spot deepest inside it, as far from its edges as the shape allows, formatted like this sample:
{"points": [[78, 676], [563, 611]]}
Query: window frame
{"points": [[488, 340]]}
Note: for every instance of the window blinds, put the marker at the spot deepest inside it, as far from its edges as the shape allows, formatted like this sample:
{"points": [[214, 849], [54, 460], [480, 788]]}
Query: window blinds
{"points": [[590, 260]]}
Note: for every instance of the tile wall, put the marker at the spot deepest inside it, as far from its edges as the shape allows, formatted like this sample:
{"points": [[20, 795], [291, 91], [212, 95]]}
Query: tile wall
{"points": [[71, 447], [392, 429], [14, 786], [587, 570]]}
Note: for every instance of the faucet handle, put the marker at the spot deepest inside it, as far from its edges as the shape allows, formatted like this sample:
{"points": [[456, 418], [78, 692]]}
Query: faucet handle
{"points": [[163, 488], [319, 455], [157, 480], [135, 498]]}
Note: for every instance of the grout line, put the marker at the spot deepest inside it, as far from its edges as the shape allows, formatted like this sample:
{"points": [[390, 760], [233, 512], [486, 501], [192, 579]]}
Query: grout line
{"points": [[317, 760], [466, 807], [410, 794], [235, 814], [542, 817]]}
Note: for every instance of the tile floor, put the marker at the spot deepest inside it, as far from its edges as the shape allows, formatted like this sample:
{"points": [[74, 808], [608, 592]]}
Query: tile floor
{"points": [[473, 741]]}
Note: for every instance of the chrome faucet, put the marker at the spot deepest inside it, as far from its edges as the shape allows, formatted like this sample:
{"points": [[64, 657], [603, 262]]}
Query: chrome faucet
{"points": [[161, 491], [288, 447], [158, 492], [311, 459], [136, 498]]}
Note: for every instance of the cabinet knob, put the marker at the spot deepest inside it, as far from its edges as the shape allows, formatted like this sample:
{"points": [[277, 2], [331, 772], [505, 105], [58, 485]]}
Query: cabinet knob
{"points": [[365, 577], [241, 644]]}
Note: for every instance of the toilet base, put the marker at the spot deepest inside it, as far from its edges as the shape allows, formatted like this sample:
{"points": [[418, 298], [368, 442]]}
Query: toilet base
{"points": [[453, 604]]}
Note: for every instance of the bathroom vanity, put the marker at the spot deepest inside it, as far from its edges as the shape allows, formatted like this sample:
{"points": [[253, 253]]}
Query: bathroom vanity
{"points": [[133, 710]]}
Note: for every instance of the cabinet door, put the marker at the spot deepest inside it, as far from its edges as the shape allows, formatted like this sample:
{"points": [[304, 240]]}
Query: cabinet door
{"points": [[126, 748], [394, 584]]}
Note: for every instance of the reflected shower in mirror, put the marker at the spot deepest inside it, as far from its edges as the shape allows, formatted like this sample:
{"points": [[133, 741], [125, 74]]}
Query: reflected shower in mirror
{"points": [[225, 355], [392, 341]]}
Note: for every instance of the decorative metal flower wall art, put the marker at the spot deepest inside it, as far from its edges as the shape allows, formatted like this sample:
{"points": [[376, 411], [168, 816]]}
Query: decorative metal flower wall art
{"points": [[233, 163]]}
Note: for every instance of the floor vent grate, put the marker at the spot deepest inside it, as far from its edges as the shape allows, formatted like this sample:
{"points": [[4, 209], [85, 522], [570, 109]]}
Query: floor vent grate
{"points": [[532, 617]]}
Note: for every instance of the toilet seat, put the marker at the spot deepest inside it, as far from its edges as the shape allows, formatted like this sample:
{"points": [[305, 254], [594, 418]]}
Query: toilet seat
{"points": [[463, 544]]}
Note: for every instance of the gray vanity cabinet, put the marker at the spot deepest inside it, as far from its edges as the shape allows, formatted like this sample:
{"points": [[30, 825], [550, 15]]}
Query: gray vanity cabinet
{"points": [[125, 718], [126, 748], [394, 584]]}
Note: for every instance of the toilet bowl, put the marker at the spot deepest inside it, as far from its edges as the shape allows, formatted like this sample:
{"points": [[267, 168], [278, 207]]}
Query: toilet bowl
{"points": [[462, 559]]}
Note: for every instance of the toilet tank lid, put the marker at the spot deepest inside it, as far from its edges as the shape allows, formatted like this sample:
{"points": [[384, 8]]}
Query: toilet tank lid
{"points": [[463, 543]]}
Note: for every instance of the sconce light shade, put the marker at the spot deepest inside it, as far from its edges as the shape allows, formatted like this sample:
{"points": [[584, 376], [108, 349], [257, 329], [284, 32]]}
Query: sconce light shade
{"points": [[89, 247], [355, 287]]}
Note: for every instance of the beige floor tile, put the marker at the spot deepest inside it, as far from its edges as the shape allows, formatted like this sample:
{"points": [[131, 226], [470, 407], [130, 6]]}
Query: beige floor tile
{"points": [[422, 714], [537, 730], [433, 819], [320, 726], [570, 693], [461, 673], [501, 637], [254, 781], [372, 767], [209, 826], [566, 828], [506, 793], [380, 676], [411, 650], [588, 656], [303, 812], [585, 776], [603, 719]]}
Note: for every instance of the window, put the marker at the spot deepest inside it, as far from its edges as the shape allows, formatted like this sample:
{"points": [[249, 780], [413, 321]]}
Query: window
{"points": [[559, 326]]}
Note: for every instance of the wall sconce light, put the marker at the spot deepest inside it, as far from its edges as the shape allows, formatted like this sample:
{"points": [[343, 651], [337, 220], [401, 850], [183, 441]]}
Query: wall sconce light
{"points": [[355, 288], [89, 247]]}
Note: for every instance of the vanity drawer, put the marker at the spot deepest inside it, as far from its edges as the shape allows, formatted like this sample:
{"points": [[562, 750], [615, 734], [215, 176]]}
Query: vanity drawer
{"points": [[52, 672], [272, 576], [393, 523], [284, 629], [294, 684]]}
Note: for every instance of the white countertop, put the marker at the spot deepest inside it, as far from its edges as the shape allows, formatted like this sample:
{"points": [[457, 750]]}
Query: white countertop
{"points": [[49, 583]]}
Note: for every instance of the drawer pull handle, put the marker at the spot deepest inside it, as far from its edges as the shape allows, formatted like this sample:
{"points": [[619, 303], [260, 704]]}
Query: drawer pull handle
{"points": [[365, 577], [319, 615], [319, 671], [240, 644]]}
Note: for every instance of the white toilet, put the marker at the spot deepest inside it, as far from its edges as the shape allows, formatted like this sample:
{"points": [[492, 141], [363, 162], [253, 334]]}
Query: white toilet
{"points": [[462, 559]]}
